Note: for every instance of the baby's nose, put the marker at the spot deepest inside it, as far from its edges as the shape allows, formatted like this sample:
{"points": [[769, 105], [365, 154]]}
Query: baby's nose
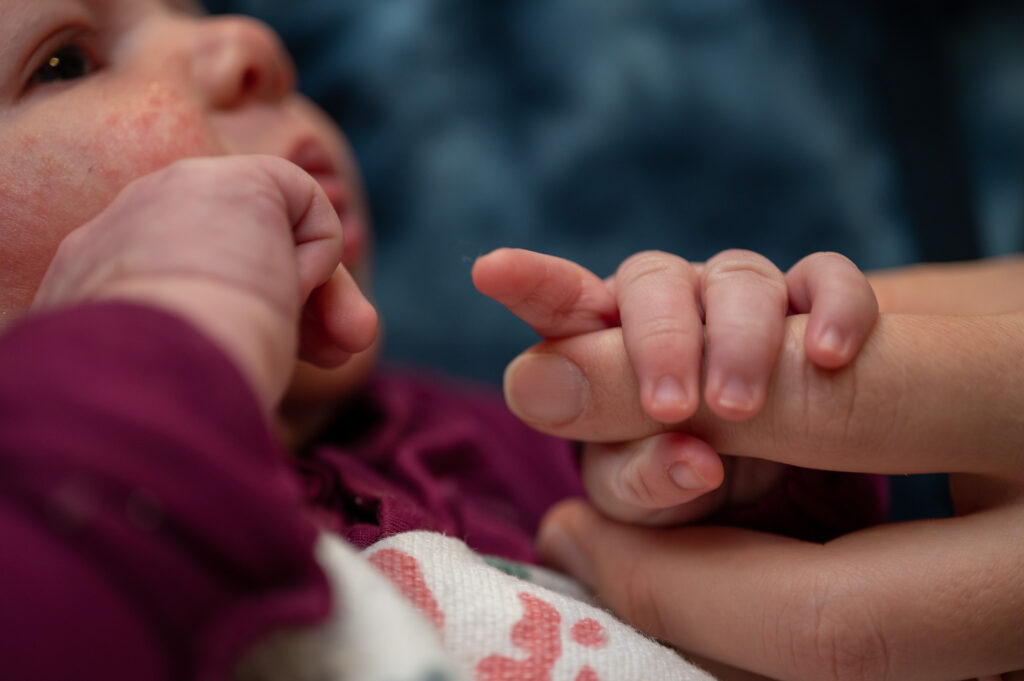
{"points": [[239, 59]]}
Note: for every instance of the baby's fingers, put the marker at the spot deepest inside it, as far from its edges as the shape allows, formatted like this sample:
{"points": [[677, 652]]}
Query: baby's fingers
{"points": [[337, 321], [661, 480], [745, 302], [556, 297], [659, 303], [841, 304]]}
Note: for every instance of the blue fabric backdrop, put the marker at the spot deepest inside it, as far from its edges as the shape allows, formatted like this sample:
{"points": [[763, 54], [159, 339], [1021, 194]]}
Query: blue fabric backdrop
{"points": [[891, 132]]}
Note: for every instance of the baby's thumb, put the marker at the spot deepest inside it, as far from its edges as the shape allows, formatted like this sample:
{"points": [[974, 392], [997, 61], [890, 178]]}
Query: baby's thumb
{"points": [[337, 321], [660, 480]]}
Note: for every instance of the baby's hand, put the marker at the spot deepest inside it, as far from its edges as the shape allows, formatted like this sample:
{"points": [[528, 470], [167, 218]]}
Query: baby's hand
{"points": [[247, 248], [665, 306]]}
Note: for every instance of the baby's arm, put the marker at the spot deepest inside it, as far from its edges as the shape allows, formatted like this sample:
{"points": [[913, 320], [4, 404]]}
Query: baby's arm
{"points": [[156, 474], [665, 305]]}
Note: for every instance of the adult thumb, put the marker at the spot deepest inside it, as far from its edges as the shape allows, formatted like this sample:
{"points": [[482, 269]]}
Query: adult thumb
{"points": [[880, 603]]}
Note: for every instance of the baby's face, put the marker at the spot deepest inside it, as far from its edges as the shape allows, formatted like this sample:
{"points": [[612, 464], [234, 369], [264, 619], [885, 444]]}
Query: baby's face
{"points": [[95, 93]]}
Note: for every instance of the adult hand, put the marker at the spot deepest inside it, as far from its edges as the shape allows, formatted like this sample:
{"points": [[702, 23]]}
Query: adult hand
{"points": [[246, 248], [937, 599], [663, 304]]}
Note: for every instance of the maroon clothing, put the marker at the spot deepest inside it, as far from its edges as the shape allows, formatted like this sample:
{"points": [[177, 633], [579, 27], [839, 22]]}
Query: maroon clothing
{"points": [[150, 526], [423, 453]]}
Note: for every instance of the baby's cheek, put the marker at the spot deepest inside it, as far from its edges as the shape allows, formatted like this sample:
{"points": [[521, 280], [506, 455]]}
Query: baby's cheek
{"points": [[86, 164], [148, 134], [55, 176]]}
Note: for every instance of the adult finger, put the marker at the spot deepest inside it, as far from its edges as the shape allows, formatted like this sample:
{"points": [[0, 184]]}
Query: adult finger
{"points": [[556, 297], [927, 600], [841, 303], [745, 304], [926, 394], [659, 305], [583, 385]]}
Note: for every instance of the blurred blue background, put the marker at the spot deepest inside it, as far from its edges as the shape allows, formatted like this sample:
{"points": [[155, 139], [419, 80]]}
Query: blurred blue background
{"points": [[891, 132]]}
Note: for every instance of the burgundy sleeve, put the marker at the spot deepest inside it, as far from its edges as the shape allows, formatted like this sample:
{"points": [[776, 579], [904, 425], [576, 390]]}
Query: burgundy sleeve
{"points": [[150, 526]]}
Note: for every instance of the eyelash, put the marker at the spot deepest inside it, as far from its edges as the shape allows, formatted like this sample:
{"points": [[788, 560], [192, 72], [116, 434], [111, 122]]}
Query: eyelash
{"points": [[71, 61]]}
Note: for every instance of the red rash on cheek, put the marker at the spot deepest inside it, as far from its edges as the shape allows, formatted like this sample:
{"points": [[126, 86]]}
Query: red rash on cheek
{"points": [[150, 133], [58, 170]]}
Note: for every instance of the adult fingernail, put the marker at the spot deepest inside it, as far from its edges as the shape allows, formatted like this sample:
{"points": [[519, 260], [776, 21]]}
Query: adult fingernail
{"points": [[686, 476], [560, 549], [545, 388]]}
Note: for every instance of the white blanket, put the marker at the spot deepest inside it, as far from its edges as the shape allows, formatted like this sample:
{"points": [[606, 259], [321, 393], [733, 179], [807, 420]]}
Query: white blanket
{"points": [[421, 606]]}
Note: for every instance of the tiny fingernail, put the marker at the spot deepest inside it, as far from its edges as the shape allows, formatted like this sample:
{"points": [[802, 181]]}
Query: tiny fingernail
{"points": [[545, 388], [737, 394], [686, 476], [669, 394], [559, 548], [832, 341]]}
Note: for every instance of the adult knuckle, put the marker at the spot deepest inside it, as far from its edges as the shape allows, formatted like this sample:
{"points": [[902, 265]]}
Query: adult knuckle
{"points": [[551, 308], [858, 412], [789, 418], [834, 634], [639, 602], [832, 413], [830, 408]]}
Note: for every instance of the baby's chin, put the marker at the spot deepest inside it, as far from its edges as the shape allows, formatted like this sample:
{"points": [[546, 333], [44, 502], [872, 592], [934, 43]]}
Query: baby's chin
{"points": [[315, 392]]}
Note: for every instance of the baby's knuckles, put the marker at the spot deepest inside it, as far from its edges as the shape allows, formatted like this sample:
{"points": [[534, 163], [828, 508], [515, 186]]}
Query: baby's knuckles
{"points": [[234, 230], [655, 266], [743, 268]]}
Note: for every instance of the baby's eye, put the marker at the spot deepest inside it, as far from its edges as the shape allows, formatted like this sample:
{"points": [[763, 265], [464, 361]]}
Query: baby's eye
{"points": [[67, 63]]}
